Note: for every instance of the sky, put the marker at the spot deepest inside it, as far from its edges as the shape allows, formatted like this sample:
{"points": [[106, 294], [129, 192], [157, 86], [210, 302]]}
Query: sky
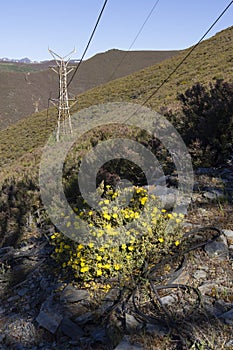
{"points": [[29, 27]]}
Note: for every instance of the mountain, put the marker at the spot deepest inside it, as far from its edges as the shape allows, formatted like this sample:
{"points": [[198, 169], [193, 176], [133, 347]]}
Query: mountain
{"points": [[22, 60], [210, 60], [26, 87]]}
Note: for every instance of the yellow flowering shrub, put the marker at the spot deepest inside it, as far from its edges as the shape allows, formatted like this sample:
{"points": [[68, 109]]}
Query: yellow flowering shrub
{"points": [[128, 230]]}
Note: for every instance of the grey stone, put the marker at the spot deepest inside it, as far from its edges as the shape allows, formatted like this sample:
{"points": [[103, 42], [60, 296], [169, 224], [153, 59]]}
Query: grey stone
{"points": [[71, 329], [50, 315], [213, 194], [205, 171], [207, 287], [131, 323], [72, 295], [228, 317], [99, 335], [22, 292], [229, 344], [168, 299], [156, 330], [126, 345], [73, 310], [217, 249], [229, 236], [180, 277], [88, 316], [200, 274]]}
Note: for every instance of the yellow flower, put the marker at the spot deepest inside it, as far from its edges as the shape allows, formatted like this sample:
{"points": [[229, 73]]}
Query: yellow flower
{"points": [[177, 243], [130, 248], [163, 210], [107, 216], [143, 200], [123, 246], [114, 215], [99, 258], [106, 266], [161, 240], [106, 201], [80, 247], [53, 236], [128, 256], [169, 215], [90, 212], [66, 246], [114, 195], [136, 215], [91, 245], [84, 269], [178, 221], [99, 272], [117, 267]]}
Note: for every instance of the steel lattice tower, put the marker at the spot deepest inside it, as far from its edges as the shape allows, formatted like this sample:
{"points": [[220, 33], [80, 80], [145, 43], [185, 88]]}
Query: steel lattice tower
{"points": [[64, 125]]}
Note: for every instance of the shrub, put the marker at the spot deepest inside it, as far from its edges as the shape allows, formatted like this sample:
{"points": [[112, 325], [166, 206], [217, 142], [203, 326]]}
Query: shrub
{"points": [[206, 123], [123, 237]]}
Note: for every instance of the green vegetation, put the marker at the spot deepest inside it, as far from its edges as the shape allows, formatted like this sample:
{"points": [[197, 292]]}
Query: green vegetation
{"points": [[16, 67], [206, 122]]}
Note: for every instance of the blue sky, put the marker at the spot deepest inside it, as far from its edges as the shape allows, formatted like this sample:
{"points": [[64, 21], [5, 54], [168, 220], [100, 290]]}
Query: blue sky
{"points": [[28, 27]]}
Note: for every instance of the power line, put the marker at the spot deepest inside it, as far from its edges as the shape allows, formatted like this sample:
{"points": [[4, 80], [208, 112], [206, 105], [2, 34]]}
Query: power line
{"points": [[89, 41], [186, 56], [133, 42]]}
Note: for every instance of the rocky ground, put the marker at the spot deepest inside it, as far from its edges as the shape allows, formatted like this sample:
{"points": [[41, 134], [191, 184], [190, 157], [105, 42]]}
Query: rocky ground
{"points": [[41, 308]]}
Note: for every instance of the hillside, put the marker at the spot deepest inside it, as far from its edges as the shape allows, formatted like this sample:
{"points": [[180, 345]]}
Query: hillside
{"points": [[23, 87], [211, 60]]}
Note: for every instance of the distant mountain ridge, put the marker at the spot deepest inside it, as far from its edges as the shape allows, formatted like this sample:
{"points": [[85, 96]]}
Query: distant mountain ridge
{"points": [[15, 60]]}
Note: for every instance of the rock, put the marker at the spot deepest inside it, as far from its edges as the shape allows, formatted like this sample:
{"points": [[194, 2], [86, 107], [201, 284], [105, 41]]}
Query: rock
{"points": [[156, 330], [228, 317], [168, 299], [99, 335], [74, 310], [50, 315], [200, 274], [207, 288], [229, 344], [229, 236], [213, 194], [182, 277], [131, 323], [217, 249], [206, 171], [72, 295], [108, 301], [126, 345], [22, 292], [84, 318], [71, 329]]}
